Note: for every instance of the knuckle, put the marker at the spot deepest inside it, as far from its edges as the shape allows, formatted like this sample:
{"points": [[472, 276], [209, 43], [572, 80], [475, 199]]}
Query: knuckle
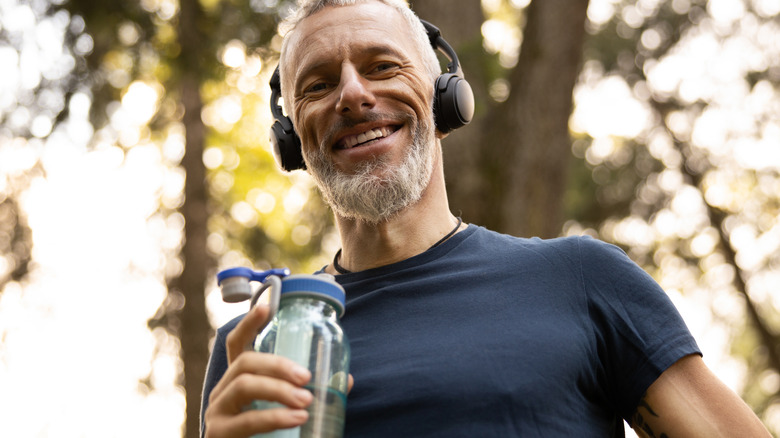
{"points": [[233, 339], [214, 425], [242, 383], [208, 416], [212, 400], [243, 362]]}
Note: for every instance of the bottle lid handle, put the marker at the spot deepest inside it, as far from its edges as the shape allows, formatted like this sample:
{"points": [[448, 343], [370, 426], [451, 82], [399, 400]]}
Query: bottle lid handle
{"points": [[275, 283], [235, 287]]}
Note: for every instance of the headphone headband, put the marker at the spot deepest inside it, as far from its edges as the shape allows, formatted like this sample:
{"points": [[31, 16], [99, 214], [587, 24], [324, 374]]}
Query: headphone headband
{"points": [[453, 105], [439, 43]]}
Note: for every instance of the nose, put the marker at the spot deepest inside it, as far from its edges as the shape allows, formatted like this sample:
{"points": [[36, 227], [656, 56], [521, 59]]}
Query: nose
{"points": [[354, 94]]}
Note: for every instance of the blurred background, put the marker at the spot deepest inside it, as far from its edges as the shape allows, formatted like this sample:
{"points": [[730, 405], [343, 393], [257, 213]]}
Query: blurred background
{"points": [[134, 163]]}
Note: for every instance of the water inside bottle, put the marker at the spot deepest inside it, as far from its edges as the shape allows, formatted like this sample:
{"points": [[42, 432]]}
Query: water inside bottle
{"points": [[326, 416]]}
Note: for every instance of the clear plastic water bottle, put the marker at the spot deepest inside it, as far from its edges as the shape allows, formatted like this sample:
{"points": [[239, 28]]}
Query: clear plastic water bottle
{"points": [[306, 330]]}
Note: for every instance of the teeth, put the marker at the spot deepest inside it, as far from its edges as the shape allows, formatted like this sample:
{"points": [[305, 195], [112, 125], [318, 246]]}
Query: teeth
{"points": [[372, 134]]}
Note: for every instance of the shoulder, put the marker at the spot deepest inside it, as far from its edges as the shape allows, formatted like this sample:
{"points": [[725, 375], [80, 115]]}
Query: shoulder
{"points": [[489, 238], [569, 248], [556, 259]]}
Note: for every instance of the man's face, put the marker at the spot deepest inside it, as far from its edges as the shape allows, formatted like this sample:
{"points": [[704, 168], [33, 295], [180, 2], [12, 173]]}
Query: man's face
{"points": [[362, 107]]}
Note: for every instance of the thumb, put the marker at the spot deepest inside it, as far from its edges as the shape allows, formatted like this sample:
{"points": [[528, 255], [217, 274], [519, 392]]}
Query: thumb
{"points": [[240, 339]]}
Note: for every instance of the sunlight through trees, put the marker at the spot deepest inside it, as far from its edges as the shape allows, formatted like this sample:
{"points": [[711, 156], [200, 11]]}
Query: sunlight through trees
{"points": [[134, 150]]}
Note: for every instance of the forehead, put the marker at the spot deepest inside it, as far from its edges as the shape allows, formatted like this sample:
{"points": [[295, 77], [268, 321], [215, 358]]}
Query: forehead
{"points": [[335, 33]]}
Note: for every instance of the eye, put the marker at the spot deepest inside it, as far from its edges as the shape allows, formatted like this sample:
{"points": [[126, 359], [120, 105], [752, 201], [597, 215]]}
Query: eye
{"points": [[384, 67], [316, 87]]}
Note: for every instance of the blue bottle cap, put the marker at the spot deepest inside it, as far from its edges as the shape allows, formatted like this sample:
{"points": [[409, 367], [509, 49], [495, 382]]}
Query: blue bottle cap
{"points": [[234, 282], [250, 274], [321, 286]]}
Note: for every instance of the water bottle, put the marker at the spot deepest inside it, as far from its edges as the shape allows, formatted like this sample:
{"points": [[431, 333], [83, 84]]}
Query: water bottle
{"points": [[304, 327]]}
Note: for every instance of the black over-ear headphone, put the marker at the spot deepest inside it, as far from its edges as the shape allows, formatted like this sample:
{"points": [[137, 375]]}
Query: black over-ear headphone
{"points": [[453, 105]]}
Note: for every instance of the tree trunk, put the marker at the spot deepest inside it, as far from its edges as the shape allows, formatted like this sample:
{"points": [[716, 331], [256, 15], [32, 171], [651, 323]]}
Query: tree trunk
{"points": [[194, 330], [529, 143], [508, 169]]}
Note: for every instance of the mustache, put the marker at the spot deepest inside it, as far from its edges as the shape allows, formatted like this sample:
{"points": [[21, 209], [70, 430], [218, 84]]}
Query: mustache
{"points": [[344, 123]]}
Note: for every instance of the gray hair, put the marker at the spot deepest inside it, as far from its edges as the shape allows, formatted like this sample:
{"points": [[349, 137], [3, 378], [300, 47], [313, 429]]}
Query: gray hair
{"points": [[307, 8]]}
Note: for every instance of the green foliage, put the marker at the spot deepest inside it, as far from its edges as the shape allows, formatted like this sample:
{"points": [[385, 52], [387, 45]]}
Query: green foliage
{"points": [[272, 219], [260, 216], [137, 41], [681, 195]]}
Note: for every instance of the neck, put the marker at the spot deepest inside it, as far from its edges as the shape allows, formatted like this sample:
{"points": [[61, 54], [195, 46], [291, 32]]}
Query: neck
{"points": [[407, 233]]}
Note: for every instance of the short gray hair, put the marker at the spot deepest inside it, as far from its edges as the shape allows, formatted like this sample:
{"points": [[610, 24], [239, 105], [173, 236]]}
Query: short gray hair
{"points": [[307, 8]]}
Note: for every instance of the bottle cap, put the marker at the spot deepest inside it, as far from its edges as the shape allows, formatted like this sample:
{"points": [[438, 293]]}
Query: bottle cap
{"points": [[318, 286], [234, 282]]}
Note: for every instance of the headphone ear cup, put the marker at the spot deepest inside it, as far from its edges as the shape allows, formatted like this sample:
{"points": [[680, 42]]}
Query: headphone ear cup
{"points": [[453, 104], [286, 145]]}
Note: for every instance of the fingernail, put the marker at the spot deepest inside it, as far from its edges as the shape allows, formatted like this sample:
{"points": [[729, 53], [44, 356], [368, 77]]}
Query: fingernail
{"points": [[301, 373], [300, 415], [303, 395]]}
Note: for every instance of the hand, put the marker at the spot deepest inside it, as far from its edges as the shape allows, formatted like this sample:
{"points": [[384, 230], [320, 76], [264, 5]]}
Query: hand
{"points": [[256, 376]]}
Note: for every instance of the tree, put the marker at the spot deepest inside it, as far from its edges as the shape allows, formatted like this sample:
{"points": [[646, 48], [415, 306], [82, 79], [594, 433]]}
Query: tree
{"points": [[194, 326], [508, 170], [686, 193], [676, 188], [178, 54], [35, 101]]}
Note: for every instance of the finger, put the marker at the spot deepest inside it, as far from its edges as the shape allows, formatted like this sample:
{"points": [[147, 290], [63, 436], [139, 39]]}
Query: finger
{"points": [[350, 383], [262, 364], [243, 335], [252, 421], [227, 412], [247, 388]]}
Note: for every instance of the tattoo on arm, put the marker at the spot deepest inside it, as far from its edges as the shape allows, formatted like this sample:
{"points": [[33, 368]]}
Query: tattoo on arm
{"points": [[640, 425]]}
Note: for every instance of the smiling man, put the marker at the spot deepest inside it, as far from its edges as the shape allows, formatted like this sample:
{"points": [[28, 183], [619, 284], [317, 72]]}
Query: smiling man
{"points": [[456, 331], [361, 92]]}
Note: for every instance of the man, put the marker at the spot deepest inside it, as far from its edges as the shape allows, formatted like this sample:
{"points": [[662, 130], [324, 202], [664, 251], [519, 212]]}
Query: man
{"points": [[455, 330]]}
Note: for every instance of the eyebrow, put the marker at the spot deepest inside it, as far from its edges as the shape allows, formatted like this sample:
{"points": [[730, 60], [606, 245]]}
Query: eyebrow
{"points": [[372, 51]]}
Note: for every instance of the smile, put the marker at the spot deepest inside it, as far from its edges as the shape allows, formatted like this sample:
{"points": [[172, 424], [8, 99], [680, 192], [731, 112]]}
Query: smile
{"points": [[364, 138]]}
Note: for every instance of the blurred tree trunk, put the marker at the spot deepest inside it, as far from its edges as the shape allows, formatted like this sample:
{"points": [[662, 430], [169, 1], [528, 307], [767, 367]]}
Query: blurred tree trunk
{"points": [[189, 323], [194, 329], [15, 238], [508, 169]]}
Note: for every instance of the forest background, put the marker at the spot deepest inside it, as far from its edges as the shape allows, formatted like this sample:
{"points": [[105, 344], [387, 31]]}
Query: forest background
{"points": [[134, 163]]}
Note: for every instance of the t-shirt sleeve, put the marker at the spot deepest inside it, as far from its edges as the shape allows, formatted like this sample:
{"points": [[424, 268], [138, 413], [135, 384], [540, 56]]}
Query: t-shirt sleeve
{"points": [[216, 368], [639, 331]]}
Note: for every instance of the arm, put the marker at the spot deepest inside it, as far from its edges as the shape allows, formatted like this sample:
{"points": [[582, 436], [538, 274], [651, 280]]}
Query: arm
{"points": [[688, 400]]}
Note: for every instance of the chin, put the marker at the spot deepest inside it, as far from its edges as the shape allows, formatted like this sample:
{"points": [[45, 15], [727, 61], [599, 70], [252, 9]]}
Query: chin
{"points": [[377, 190]]}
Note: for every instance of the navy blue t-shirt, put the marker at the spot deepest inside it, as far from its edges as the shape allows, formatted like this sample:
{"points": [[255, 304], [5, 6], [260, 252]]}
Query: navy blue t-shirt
{"points": [[493, 335]]}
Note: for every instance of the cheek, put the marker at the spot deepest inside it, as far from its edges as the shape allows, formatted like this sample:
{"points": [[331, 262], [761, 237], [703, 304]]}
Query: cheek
{"points": [[306, 131], [420, 94]]}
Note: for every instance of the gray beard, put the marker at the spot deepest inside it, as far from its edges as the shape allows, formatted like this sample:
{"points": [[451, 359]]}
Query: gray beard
{"points": [[376, 191]]}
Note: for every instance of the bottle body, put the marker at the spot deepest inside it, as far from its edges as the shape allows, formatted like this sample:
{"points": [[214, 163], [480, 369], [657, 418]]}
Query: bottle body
{"points": [[306, 330]]}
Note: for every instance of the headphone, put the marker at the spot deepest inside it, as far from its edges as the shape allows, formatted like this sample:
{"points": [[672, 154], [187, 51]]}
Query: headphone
{"points": [[453, 105]]}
